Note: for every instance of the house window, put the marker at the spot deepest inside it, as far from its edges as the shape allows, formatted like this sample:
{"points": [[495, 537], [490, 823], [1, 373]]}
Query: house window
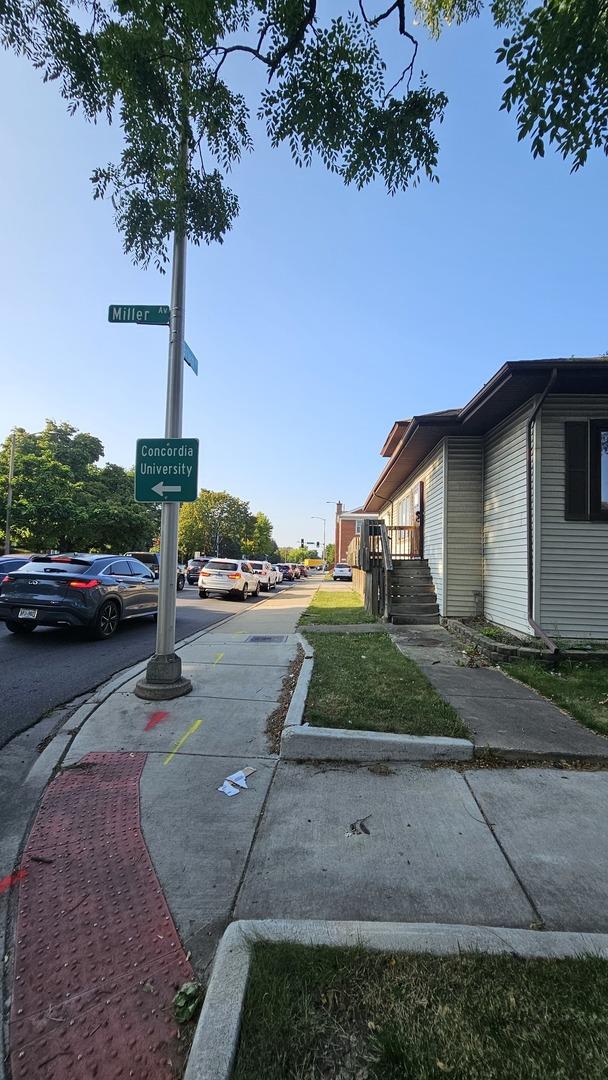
{"points": [[586, 489], [357, 528]]}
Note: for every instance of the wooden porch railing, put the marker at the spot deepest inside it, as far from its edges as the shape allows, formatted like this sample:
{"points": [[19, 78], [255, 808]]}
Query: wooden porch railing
{"points": [[404, 541]]}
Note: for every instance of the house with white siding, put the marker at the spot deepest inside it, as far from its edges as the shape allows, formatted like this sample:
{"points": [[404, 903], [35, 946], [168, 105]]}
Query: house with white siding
{"points": [[506, 500]]}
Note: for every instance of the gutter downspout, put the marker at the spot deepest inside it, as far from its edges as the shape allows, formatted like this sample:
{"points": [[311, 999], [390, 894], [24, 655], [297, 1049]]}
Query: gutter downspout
{"points": [[551, 646]]}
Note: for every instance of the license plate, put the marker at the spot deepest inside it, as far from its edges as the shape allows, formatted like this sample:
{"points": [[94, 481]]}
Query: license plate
{"points": [[28, 613]]}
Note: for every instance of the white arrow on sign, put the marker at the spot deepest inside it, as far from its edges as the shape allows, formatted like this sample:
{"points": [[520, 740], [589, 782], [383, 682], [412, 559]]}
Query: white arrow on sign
{"points": [[162, 489]]}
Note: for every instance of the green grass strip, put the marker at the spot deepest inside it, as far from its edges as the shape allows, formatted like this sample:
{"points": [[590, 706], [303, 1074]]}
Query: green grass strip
{"points": [[315, 1013], [337, 607], [581, 689], [363, 683]]}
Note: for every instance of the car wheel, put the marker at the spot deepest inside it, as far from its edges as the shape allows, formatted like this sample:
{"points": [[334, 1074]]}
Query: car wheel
{"points": [[181, 581], [17, 627], [202, 593], [106, 620], [257, 591], [245, 592]]}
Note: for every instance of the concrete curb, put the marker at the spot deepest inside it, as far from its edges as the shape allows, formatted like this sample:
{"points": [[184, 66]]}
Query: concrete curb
{"points": [[303, 743], [339, 744], [217, 1034], [295, 712]]}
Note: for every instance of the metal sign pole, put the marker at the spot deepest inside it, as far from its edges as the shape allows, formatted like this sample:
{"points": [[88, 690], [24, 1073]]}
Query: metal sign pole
{"points": [[163, 678]]}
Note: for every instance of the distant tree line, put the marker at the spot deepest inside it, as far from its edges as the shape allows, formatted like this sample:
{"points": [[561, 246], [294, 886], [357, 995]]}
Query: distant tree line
{"points": [[218, 523]]}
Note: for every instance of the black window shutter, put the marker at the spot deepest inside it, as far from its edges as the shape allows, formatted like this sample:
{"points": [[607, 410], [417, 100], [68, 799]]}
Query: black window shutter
{"points": [[577, 471]]}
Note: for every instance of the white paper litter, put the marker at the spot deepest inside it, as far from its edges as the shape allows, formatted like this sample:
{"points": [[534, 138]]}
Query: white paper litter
{"points": [[229, 789], [238, 778]]}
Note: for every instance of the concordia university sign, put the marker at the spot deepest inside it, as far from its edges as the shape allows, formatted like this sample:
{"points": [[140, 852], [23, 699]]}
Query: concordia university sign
{"points": [[166, 470]]}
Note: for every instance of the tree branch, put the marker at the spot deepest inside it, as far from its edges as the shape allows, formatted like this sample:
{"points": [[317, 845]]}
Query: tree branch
{"points": [[399, 6], [296, 38]]}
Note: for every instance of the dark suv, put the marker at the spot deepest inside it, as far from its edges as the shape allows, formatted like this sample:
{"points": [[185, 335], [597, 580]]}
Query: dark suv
{"points": [[194, 568], [93, 591], [149, 558]]}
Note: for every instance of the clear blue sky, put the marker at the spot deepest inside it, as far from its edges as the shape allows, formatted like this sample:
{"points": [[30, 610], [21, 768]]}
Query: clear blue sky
{"points": [[327, 314]]}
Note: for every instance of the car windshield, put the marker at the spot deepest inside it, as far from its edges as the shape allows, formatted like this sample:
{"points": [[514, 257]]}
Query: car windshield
{"points": [[219, 564], [257, 565]]}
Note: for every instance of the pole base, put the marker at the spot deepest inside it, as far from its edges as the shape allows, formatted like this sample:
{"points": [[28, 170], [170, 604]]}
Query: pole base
{"points": [[163, 679]]}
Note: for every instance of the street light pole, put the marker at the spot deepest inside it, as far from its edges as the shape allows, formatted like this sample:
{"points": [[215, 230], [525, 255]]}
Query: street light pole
{"points": [[163, 678], [316, 517], [9, 494]]}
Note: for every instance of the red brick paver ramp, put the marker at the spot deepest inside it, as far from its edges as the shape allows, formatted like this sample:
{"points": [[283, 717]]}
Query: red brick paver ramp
{"points": [[97, 957]]}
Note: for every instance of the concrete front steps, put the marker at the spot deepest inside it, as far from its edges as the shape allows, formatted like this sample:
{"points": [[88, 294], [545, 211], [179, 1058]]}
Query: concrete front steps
{"points": [[413, 599]]}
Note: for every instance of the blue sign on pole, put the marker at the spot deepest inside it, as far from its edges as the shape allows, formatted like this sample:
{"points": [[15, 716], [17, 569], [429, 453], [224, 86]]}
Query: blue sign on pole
{"points": [[190, 358]]}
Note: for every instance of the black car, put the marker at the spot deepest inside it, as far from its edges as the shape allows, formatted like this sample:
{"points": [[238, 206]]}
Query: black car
{"points": [[93, 591], [194, 568], [148, 558]]}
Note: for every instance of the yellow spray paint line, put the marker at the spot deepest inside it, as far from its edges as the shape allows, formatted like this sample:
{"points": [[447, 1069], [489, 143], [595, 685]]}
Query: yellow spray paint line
{"points": [[193, 727], [218, 658]]}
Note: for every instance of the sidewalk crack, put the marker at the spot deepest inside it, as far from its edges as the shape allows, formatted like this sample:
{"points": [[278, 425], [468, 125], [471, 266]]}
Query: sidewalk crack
{"points": [[539, 921]]}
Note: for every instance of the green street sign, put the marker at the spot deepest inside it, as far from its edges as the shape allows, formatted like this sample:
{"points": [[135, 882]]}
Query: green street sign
{"points": [[166, 470], [144, 314]]}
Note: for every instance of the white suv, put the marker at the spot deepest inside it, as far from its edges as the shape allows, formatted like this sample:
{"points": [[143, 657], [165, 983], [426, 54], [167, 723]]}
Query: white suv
{"points": [[228, 576], [266, 573], [342, 572]]}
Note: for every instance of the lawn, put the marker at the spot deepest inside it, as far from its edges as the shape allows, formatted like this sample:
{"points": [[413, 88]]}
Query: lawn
{"points": [[363, 683], [581, 689], [336, 606], [342, 1014]]}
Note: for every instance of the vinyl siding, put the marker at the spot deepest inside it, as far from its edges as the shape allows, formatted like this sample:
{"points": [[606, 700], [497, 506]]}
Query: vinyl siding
{"points": [[431, 472], [464, 526], [505, 571], [574, 554]]}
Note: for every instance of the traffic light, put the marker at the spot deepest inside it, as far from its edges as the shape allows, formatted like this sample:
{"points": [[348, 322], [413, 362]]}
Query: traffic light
{"points": [[302, 542], [317, 543]]}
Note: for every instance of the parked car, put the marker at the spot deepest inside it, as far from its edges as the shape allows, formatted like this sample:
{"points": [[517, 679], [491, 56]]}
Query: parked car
{"points": [[93, 591], [228, 576], [286, 571], [303, 570], [342, 572], [194, 568], [266, 573], [296, 571], [152, 560], [148, 558], [8, 563], [278, 571]]}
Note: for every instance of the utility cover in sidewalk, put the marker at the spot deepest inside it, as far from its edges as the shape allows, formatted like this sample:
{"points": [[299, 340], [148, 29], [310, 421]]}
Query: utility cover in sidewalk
{"points": [[97, 957]]}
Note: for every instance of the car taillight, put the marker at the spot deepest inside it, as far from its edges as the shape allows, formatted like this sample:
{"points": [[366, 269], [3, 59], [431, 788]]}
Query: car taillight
{"points": [[205, 573], [5, 579], [92, 584], [234, 577]]}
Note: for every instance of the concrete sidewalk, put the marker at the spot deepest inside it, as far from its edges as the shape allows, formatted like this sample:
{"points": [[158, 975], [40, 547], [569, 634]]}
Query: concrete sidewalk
{"points": [[502, 714], [136, 863], [134, 860]]}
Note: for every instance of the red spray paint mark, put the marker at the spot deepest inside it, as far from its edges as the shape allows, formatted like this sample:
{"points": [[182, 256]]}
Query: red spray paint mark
{"points": [[12, 879], [155, 718]]}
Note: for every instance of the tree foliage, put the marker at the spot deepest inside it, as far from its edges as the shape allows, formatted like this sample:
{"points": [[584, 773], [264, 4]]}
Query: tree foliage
{"points": [[63, 499], [221, 524], [158, 66]]}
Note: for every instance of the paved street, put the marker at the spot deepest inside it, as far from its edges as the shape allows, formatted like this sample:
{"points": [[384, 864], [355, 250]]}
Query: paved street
{"points": [[54, 666]]}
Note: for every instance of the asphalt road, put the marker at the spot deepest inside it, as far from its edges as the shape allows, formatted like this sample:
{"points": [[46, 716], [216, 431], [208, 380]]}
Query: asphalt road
{"points": [[50, 667]]}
